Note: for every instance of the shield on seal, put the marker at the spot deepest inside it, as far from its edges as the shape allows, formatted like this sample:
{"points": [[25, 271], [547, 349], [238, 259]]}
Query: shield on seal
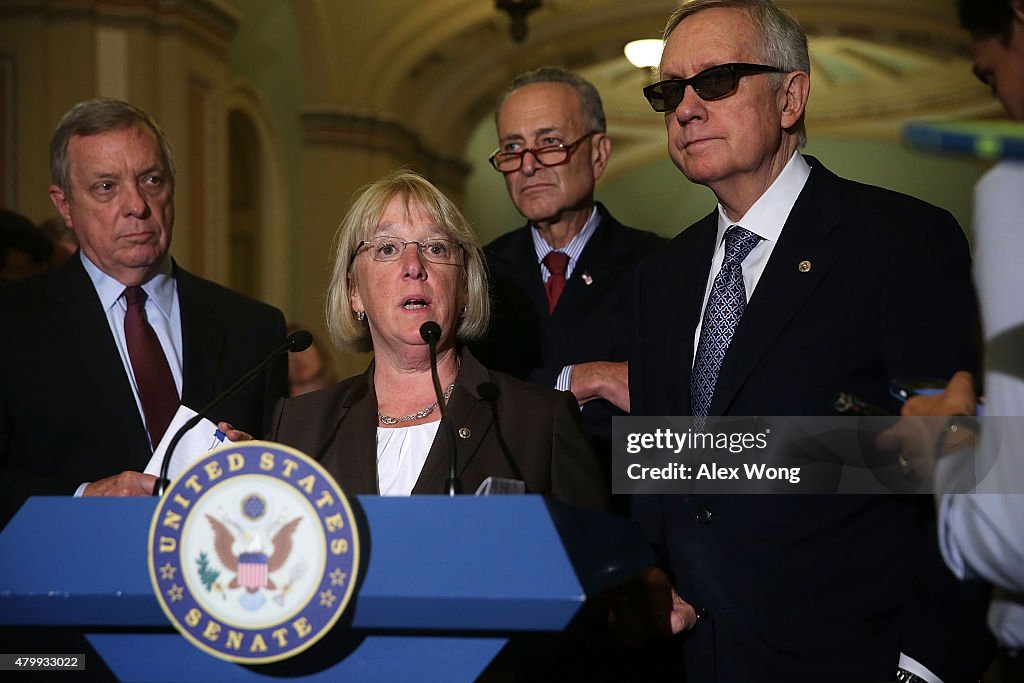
{"points": [[252, 571]]}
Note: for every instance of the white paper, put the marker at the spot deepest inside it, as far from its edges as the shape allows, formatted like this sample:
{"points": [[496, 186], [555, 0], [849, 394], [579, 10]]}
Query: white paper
{"points": [[194, 444]]}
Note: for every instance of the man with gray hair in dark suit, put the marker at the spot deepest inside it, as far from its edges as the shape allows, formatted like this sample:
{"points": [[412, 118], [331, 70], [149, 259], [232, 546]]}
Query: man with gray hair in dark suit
{"points": [[800, 284], [96, 356], [560, 283]]}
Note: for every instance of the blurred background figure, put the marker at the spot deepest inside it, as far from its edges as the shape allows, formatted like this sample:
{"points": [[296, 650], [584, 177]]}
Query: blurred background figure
{"points": [[63, 239], [24, 252], [308, 370], [980, 482]]}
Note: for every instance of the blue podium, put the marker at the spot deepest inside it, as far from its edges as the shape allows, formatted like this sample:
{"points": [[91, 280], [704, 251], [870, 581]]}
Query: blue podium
{"points": [[444, 583]]}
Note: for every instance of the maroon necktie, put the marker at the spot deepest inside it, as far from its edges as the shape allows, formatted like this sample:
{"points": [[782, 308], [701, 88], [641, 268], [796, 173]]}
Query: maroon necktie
{"points": [[556, 261], [157, 391]]}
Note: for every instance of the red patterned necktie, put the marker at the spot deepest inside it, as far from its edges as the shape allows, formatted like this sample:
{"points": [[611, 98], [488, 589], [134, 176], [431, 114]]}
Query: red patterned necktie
{"points": [[157, 392], [556, 262]]}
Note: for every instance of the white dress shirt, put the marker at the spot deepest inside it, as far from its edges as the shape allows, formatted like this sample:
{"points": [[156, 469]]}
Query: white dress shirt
{"points": [[765, 219], [401, 452]]}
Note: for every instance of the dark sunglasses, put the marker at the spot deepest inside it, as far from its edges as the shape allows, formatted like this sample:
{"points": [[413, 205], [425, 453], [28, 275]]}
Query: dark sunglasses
{"points": [[710, 84]]}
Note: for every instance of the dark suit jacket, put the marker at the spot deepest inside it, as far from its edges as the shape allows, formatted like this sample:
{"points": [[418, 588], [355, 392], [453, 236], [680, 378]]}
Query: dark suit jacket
{"points": [[67, 411], [805, 586], [592, 322], [504, 427]]}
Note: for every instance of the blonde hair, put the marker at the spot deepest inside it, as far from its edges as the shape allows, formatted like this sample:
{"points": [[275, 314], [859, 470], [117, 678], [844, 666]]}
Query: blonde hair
{"points": [[360, 223]]}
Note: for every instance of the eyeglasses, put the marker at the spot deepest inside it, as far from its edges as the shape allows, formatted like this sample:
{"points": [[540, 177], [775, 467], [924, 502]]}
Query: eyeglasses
{"points": [[438, 250], [552, 155], [710, 84]]}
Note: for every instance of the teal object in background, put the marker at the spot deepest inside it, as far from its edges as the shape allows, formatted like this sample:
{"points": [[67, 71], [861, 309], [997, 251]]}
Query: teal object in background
{"points": [[992, 140]]}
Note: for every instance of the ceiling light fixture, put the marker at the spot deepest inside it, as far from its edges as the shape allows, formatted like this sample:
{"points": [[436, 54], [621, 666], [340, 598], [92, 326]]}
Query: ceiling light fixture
{"points": [[517, 11], [646, 52]]}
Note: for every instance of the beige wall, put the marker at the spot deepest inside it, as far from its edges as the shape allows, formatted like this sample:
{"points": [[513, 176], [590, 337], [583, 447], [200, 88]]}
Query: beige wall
{"points": [[166, 59]]}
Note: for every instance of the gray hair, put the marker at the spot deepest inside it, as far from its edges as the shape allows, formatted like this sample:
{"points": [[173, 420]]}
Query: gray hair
{"points": [[781, 41], [360, 223], [590, 99], [93, 117]]}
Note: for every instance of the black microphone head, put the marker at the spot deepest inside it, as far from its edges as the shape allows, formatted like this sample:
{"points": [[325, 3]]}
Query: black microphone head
{"points": [[431, 332], [300, 340]]}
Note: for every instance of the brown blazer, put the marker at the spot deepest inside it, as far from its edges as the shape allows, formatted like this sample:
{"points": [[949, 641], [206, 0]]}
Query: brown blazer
{"points": [[504, 427]]}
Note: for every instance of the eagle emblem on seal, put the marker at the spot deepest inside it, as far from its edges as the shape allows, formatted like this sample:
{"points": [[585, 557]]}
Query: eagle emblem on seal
{"points": [[254, 565]]}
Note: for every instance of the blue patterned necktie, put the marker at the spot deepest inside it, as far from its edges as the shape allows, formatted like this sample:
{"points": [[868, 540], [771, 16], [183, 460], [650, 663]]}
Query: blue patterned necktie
{"points": [[722, 315]]}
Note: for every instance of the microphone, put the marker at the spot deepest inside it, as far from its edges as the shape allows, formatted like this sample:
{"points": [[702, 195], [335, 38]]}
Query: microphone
{"points": [[299, 340], [431, 333]]}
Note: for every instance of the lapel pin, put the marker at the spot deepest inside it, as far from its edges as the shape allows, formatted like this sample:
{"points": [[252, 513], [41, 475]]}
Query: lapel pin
{"points": [[804, 266], [587, 279], [464, 433]]}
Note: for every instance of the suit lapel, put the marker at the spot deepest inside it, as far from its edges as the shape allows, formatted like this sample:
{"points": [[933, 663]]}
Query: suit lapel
{"points": [[202, 337], [471, 419], [784, 286], [356, 440], [521, 264], [78, 315], [689, 257], [597, 266]]}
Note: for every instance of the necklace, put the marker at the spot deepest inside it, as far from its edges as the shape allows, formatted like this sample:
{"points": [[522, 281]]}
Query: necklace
{"points": [[418, 415]]}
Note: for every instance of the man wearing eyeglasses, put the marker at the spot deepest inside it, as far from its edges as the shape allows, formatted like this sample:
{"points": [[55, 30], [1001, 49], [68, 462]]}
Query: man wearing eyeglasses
{"points": [[560, 298], [799, 285]]}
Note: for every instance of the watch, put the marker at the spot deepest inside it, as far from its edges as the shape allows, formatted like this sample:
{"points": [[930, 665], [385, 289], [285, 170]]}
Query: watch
{"points": [[904, 676]]}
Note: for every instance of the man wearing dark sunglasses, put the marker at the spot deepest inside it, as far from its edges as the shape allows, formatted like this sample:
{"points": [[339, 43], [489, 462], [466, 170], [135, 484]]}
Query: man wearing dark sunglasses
{"points": [[561, 329], [798, 285]]}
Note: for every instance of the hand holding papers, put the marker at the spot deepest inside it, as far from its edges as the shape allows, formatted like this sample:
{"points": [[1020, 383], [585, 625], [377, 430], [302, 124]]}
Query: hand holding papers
{"points": [[195, 443]]}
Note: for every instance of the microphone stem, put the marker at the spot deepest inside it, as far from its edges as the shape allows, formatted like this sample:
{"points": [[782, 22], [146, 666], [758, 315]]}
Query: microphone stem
{"points": [[452, 484], [162, 482]]}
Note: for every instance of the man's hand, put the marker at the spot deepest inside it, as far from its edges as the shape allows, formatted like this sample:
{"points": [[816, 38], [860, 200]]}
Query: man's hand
{"points": [[233, 434], [647, 607], [920, 435], [602, 379], [958, 398], [683, 616], [125, 484]]}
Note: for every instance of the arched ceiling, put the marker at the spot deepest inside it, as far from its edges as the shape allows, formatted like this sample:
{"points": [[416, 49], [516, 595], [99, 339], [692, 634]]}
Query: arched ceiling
{"points": [[437, 67]]}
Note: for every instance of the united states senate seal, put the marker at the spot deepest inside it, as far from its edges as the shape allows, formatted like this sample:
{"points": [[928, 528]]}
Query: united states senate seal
{"points": [[253, 552]]}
